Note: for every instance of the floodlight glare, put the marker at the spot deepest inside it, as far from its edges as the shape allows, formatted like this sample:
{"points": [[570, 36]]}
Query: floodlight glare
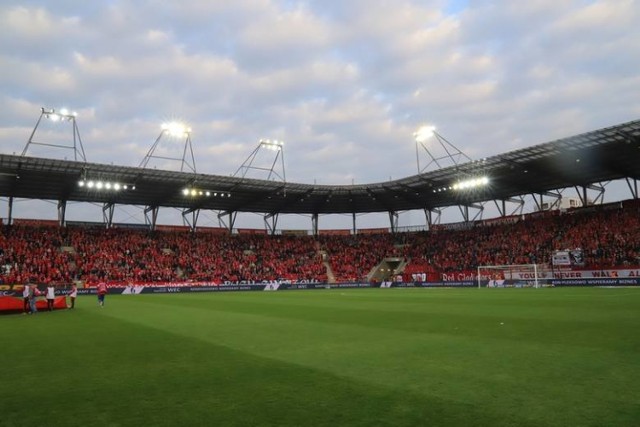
{"points": [[176, 129], [90, 184], [471, 183], [185, 191], [64, 112], [126, 187], [116, 186], [208, 193], [424, 133], [194, 192], [81, 183], [99, 185]]}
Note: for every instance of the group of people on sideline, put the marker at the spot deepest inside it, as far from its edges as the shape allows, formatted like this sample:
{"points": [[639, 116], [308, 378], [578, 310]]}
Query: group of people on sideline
{"points": [[31, 292]]}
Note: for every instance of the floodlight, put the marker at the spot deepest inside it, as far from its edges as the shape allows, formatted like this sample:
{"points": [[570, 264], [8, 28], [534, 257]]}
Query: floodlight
{"points": [[176, 129], [269, 144], [194, 192], [107, 186], [185, 191], [90, 184], [81, 183], [424, 133], [126, 187], [64, 112], [99, 185], [471, 183], [208, 193], [116, 186]]}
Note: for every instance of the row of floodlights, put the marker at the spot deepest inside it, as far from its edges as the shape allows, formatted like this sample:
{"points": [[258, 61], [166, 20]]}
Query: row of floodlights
{"points": [[466, 185], [271, 144], [105, 185], [194, 192], [56, 116]]}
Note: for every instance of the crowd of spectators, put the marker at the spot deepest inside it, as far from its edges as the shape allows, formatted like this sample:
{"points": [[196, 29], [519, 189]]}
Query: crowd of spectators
{"points": [[609, 236], [353, 257], [134, 256]]}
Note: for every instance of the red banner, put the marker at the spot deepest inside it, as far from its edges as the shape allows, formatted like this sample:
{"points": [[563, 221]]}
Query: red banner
{"points": [[334, 232], [36, 222], [15, 304], [373, 231], [251, 231]]}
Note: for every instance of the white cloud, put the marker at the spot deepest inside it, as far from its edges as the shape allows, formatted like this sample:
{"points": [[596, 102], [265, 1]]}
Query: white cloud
{"points": [[344, 84]]}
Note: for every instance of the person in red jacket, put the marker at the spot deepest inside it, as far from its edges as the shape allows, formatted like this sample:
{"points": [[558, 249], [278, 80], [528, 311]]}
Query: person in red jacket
{"points": [[102, 291]]}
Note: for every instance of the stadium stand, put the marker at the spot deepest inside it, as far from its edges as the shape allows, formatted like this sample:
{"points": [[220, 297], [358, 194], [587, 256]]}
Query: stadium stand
{"points": [[609, 236]]}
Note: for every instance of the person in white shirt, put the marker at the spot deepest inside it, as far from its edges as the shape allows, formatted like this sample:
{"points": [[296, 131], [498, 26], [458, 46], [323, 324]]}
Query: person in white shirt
{"points": [[25, 299], [51, 295], [72, 295]]}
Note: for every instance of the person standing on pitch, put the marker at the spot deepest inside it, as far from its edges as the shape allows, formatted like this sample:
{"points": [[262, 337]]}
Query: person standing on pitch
{"points": [[72, 295], [33, 293], [102, 291], [25, 299], [51, 295]]}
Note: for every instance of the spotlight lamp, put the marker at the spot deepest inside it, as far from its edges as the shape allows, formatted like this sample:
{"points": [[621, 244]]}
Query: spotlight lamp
{"points": [[200, 192], [57, 116], [469, 184], [424, 133], [272, 144], [176, 129], [108, 186]]}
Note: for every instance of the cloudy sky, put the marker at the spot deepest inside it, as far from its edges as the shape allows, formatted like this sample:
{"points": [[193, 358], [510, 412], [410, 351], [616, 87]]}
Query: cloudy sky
{"points": [[344, 83]]}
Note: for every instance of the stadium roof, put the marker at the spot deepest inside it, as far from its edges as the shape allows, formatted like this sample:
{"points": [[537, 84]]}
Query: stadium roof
{"points": [[599, 156]]}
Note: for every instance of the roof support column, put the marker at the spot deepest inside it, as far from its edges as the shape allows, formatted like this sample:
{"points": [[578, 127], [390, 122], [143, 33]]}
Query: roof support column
{"points": [[10, 211], [430, 219], [193, 223], [354, 230], [393, 220], [582, 194], [107, 214], [154, 217], [62, 211], [633, 186], [540, 203], [232, 219], [502, 207], [314, 224], [464, 210], [270, 222]]}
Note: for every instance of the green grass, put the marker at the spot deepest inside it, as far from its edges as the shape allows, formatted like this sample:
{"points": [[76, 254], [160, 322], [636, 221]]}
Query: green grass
{"points": [[376, 357]]}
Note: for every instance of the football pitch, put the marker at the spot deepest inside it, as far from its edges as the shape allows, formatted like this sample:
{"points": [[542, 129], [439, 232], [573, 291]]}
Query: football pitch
{"points": [[373, 357]]}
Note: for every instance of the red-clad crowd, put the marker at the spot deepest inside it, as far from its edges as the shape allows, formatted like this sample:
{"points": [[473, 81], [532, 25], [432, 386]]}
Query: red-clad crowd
{"points": [[609, 236], [352, 257]]}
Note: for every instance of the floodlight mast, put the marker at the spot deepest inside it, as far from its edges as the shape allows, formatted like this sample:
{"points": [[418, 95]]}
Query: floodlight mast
{"points": [[270, 220], [59, 116], [177, 130], [449, 153], [269, 145]]}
